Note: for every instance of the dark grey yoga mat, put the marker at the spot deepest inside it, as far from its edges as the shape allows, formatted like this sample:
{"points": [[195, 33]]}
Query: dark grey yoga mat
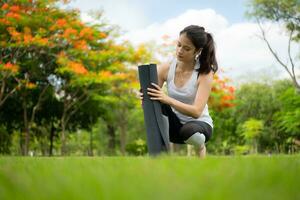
{"points": [[156, 124]]}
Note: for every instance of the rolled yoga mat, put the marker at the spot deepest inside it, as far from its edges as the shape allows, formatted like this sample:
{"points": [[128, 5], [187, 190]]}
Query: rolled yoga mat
{"points": [[156, 124]]}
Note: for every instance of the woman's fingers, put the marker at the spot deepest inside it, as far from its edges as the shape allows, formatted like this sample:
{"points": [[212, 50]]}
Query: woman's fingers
{"points": [[156, 86], [154, 98], [152, 90], [153, 94], [141, 95]]}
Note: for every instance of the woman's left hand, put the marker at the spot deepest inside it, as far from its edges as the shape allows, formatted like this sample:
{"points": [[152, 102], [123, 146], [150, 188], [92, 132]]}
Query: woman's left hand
{"points": [[157, 94]]}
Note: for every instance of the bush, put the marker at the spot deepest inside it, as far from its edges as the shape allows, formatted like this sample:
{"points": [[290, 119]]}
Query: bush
{"points": [[241, 149], [5, 141], [137, 147]]}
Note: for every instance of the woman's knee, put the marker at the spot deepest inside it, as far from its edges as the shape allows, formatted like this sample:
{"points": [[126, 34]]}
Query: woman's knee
{"points": [[187, 130], [197, 139], [192, 127]]}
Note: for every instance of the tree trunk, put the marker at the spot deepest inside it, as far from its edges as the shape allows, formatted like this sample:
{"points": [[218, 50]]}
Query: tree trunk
{"points": [[63, 139], [52, 132], [26, 130], [112, 139], [28, 121], [90, 152], [63, 124], [255, 146], [21, 141], [123, 137], [67, 113], [290, 71]]}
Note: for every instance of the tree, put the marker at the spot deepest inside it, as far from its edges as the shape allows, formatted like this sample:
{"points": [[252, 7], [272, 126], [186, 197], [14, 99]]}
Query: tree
{"points": [[286, 12], [277, 105], [287, 119], [122, 99], [222, 94], [258, 101], [100, 72], [49, 52], [221, 104], [251, 130], [25, 47]]}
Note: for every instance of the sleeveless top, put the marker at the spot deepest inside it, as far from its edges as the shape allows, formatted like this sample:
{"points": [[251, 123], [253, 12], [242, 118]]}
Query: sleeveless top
{"points": [[186, 94]]}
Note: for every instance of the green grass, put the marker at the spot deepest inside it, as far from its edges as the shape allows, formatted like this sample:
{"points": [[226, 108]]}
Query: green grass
{"points": [[216, 177]]}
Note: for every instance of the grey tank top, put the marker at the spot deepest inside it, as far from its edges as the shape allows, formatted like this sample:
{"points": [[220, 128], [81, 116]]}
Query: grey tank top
{"points": [[186, 94]]}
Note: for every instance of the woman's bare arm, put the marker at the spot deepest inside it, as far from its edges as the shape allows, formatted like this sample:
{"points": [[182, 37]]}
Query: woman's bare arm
{"points": [[195, 110]]}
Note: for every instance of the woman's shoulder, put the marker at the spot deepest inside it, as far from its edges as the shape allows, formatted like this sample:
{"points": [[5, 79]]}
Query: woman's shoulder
{"points": [[208, 78], [164, 66], [167, 63], [163, 69]]}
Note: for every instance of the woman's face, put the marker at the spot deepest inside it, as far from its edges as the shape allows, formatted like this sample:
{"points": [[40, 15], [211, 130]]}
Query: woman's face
{"points": [[185, 50]]}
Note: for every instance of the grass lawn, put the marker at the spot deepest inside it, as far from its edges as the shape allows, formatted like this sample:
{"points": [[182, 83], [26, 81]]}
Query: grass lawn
{"points": [[216, 177]]}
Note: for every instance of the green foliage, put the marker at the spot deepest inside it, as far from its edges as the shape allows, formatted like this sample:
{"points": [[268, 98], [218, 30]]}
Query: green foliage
{"points": [[256, 100], [242, 149], [288, 118], [5, 141], [138, 147], [224, 133], [286, 11], [274, 106], [50, 59], [62, 76], [15, 148], [252, 128], [277, 100], [136, 124]]}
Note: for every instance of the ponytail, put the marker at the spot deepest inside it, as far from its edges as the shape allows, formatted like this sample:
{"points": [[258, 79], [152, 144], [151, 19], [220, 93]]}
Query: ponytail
{"points": [[203, 40], [207, 58]]}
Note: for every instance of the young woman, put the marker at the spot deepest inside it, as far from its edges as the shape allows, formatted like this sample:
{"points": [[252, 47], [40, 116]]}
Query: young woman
{"points": [[189, 81]]}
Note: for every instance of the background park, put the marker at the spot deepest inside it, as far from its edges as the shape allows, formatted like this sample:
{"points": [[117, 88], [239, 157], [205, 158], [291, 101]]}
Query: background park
{"points": [[71, 122]]}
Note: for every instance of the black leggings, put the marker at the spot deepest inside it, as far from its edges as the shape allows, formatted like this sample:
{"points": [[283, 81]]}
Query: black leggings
{"points": [[179, 132]]}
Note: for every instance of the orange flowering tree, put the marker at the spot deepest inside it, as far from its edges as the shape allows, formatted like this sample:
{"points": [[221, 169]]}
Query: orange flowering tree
{"points": [[222, 103], [222, 94], [123, 99], [25, 45], [46, 49], [8, 73]]}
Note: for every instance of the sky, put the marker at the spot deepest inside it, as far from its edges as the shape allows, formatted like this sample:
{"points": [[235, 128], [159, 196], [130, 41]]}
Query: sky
{"points": [[241, 54]]}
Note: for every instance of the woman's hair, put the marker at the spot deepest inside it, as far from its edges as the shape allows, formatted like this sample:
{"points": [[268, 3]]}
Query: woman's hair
{"points": [[202, 40]]}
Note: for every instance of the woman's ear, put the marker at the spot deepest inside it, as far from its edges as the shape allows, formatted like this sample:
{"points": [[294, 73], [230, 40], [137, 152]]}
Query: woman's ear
{"points": [[197, 53]]}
